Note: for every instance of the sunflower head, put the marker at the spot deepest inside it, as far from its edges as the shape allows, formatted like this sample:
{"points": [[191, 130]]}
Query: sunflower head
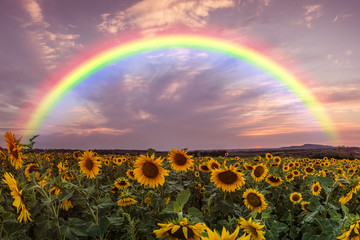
{"points": [[252, 228], [309, 170], [274, 180], [213, 164], [121, 183], [180, 160], [126, 199], [182, 230], [295, 197], [90, 164], [316, 189], [259, 172], [130, 174], [204, 167], [227, 179], [305, 206], [148, 171], [352, 233], [268, 156], [254, 200]]}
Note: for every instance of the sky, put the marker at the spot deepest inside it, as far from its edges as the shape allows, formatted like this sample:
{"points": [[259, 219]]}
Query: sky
{"points": [[181, 98]]}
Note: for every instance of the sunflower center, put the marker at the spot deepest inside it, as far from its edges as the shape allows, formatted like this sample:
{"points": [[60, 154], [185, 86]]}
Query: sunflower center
{"points": [[253, 231], [150, 170], [309, 169], [254, 200], [274, 179], [259, 171], [316, 188], [89, 164], [180, 159], [122, 183], [31, 168], [296, 198], [228, 177], [214, 166], [204, 168], [179, 234]]}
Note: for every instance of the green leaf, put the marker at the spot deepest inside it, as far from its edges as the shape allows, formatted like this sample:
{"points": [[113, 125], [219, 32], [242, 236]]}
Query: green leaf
{"points": [[177, 207], [115, 221], [105, 202], [334, 215], [183, 197], [196, 213], [66, 194]]}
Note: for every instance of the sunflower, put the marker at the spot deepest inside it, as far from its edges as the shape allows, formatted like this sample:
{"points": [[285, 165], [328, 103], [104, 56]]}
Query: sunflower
{"points": [[268, 156], [130, 174], [90, 164], [121, 183], [55, 190], [197, 174], [180, 230], [30, 168], [274, 180], [18, 198], [277, 159], [213, 235], [213, 164], [252, 228], [227, 179], [66, 204], [296, 173], [352, 233], [204, 167], [180, 160], [295, 197], [322, 173], [254, 200], [259, 172], [305, 205], [316, 189], [286, 168], [289, 177], [309, 170], [344, 199], [149, 172], [248, 166], [14, 149], [126, 200]]}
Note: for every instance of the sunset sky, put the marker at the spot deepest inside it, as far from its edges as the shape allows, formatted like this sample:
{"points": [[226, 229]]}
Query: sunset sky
{"points": [[182, 98]]}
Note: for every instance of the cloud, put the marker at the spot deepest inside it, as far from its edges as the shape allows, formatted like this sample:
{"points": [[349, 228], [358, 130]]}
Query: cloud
{"points": [[149, 14], [312, 12], [34, 10]]}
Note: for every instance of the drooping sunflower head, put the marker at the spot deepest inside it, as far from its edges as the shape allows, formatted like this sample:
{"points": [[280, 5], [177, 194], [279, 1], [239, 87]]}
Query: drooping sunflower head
{"points": [[352, 233], [305, 206], [126, 199], [259, 172], [182, 230], [227, 179], [252, 228], [274, 180], [254, 200], [225, 234], [316, 189], [31, 168], [295, 197], [148, 171], [180, 160], [90, 164], [130, 174]]}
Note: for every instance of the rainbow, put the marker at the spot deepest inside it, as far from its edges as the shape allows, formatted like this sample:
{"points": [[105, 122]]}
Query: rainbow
{"points": [[119, 51]]}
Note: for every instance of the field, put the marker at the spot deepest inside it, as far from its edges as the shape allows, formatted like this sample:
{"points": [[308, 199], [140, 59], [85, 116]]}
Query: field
{"points": [[177, 195]]}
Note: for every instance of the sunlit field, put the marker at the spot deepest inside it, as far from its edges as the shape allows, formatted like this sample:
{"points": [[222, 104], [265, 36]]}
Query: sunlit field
{"points": [[85, 195]]}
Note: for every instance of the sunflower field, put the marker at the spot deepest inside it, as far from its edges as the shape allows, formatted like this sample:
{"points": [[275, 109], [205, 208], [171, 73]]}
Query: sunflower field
{"points": [[85, 195]]}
